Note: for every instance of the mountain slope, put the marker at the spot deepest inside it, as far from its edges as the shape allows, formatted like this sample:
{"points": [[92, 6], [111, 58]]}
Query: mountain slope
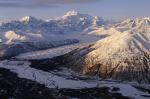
{"points": [[10, 49], [124, 55], [30, 27], [35, 34]]}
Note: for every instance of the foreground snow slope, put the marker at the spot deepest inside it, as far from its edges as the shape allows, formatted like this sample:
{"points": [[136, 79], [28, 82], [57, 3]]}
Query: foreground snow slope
{"points": [[52, 80], [123, 55]]}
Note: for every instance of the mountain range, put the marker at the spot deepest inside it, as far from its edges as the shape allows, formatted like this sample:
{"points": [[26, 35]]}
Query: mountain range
{"points": [[123, 55], [75, 56], [31, 34], [120, 51]]}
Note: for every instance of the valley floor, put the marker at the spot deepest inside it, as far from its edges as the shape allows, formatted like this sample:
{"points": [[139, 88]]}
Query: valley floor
{"points": [[12, 87], [68, 82], [21, 79]]}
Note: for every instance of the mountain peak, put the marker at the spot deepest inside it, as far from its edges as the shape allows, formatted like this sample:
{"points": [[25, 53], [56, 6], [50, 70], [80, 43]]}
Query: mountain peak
{"points": [[137, 20], [146, 18], [28, 19], [72, 13], [137, 23], [98, 21], [120, 56]]}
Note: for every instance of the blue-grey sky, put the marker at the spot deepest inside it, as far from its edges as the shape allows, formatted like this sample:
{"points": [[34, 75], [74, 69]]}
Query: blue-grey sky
{"points": [[46, 9]]}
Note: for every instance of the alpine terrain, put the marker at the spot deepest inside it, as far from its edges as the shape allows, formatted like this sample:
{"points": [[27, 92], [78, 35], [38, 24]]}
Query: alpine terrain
{"points": [[125, 55], [75, 56]]}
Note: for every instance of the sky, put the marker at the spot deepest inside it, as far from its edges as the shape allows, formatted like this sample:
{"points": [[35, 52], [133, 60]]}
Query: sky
{"points": [[48, 9]]}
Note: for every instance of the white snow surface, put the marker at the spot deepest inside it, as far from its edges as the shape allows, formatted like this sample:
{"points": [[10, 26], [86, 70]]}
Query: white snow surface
{"points": [[53, 52], [126, 89], [47, 78], [12, 36], [51, 80], [49, 53], [33, 29], [129, 39]]}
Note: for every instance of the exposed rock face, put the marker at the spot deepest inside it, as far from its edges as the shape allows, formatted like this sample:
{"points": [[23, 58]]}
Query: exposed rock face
{"points": [[123, 56]]}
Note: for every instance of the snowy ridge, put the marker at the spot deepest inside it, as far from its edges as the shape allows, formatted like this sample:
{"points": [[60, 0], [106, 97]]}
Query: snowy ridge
{"points": [[72, 21], [102, 31], [138, 24], [44, 33], [29, 19], [123, 55]]}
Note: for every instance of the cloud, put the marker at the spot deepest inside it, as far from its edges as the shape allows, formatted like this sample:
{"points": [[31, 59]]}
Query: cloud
{"points": [[64, 1], [25, 4], [40, 3], [16, 5]]}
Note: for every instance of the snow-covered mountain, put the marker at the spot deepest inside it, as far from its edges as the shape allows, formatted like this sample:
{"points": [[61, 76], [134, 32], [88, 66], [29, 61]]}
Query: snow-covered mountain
{"points": [[125, 55], [134, 23], [31, 27], [68, 28], [78, 21], [122, 52]]}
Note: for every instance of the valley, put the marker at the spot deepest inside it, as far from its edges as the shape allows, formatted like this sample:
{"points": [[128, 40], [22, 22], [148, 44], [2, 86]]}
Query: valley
{"points": [[75, 56]]}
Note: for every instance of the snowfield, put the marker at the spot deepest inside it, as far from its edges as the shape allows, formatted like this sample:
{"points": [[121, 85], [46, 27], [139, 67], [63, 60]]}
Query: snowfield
{"points": [[47, 78], [36, 34], [51, 80], [49, 53]]}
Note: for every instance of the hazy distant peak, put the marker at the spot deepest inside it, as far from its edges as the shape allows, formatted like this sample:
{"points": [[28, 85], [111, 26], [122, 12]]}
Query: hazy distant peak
{"points": [[135, 23], [28, 19], [73, 12]]}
